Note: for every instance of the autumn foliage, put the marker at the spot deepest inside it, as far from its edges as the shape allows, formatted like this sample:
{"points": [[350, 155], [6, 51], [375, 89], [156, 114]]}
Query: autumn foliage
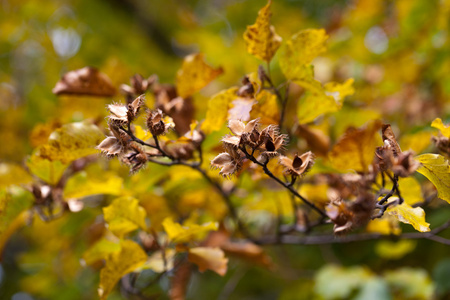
{"points": [[182, 181]]}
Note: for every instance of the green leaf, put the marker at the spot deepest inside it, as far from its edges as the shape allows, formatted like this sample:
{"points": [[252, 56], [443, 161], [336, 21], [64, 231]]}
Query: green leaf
{"points": [[410, 283], [408, 215], [47, 170], [119, 263], [124, 215], [436, 168], [13, 202], [72, 141], [100, 250]]}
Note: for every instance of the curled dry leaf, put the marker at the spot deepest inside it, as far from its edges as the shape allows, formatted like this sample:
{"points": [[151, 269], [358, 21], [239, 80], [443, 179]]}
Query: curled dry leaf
{"points": [[207, 258], [86, 81]]}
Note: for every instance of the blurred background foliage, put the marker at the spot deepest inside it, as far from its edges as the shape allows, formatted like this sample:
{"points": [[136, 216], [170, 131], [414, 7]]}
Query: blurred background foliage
{"points": [[398, 52]]}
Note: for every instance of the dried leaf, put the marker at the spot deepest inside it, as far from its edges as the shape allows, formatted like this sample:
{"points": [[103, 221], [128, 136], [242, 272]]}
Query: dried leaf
{"points": [[300, 50], [194, 75], [389, 139], [408, 215], [355, 150], [129, 258], [217, 112], [124, 215], [261, 38], [209, 259], [240, 109], [72, 141], [436, 168], [444, 129], [183, 234], [179, 281], [85, 81]]}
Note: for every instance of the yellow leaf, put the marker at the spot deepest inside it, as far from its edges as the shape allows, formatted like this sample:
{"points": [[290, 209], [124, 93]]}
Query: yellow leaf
{"points": [[266, 108], [416, 142], [394, 250], [209, 259], [387, 225], [72, 141], [410, 190], [194, 75], [326, 100], [408, 215], [141, 133], [124, 215], [436, 168], [445, 130], [300, 50], [216, 115], [84, 184], [158, 264], [119, 263], [261, 38], [100, 250], [355, 150], [13, 174], [183, 234], [49, 171]]}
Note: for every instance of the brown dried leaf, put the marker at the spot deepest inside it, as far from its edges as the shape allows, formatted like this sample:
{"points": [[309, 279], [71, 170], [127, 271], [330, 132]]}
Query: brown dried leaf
{"points": [[85, 81]]}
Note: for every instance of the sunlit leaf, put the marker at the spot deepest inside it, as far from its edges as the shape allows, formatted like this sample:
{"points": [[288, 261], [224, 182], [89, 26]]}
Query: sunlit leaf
{"points": [[142, 134], [124, 215], [183, 234], [266, 108], [261, 38], [387, 225], [209, 259], [416, 142], [194, 75], [355, 150], [444, 129], [408, 215], [328, 100], [49, 171], [13, 174], [119, 263], [157, 263], [394, 250], [102, 249], [300, 50], [217, 111], [83, 184], [436, 168], [72, 141], [410, 190]]}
